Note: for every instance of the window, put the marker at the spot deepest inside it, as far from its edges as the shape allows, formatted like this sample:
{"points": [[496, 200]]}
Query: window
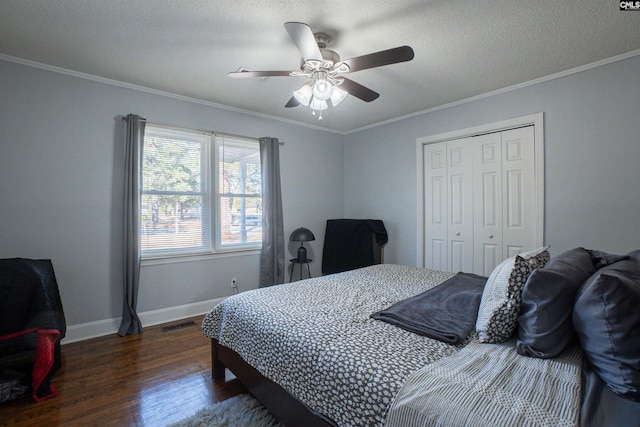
{"points": [[239, 193], [200, 193]]}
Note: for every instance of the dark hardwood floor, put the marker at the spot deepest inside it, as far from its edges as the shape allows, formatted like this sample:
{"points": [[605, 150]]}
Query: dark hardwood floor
{"points": [[152, 379]]}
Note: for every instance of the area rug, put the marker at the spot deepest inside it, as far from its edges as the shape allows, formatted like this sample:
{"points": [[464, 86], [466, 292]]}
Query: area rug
{"points": [[239, 411]]}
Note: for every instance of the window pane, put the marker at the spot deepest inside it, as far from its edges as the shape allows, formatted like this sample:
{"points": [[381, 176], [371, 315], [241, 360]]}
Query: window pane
{"points": [[239, 169], [171, 164], [239, 193], [171, 222], [174, 212], [240, 220]]}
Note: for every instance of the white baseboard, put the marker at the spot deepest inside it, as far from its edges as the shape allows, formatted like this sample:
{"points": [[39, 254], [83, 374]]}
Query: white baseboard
{"points": [[85, 331]]}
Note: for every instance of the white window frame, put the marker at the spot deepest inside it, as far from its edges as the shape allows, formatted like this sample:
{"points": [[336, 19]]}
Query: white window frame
{"points": [[211, 221], [235, 141]]}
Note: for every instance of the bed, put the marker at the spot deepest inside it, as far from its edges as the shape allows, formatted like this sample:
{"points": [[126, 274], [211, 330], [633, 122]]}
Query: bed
{"points": [[321, 352]]}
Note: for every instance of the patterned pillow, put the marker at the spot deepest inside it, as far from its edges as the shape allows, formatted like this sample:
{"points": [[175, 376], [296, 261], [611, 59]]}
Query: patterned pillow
{"points": [[500, 304]]}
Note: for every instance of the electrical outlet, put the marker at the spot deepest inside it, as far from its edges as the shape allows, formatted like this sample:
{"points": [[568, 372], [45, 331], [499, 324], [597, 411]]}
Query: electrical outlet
{"points": [[234, 283]]}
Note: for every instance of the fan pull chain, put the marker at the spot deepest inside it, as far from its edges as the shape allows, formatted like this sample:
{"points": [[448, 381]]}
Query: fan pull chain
{"points": [[313, 112]]}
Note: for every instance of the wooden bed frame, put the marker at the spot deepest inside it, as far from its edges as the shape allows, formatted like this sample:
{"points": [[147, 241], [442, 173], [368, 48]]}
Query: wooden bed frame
{"points": [[285, 407]]}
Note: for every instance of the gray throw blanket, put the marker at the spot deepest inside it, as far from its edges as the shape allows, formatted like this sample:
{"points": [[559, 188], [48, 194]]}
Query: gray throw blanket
{"points": [[446, 312]]}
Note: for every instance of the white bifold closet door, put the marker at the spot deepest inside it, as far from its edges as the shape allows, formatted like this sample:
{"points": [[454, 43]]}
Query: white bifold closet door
{"points": [[436, 196], [488, 197], [479, 200], [449, 211]]}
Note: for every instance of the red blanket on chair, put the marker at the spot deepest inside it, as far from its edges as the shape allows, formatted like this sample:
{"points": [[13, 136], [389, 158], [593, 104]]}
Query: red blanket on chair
{"points": [[26, 359]]}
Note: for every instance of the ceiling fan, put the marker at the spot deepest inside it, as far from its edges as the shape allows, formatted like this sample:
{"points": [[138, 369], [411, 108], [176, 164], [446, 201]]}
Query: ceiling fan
{"points": [[323, 66]]}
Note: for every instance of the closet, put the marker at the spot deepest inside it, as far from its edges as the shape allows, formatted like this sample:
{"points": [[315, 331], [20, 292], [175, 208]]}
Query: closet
{"points": [[481, 200]]}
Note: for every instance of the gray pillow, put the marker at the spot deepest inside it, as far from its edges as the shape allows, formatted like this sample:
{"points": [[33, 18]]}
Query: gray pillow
{"points": [[634, 255], [544, 324], [607, 320], [602, 259]]}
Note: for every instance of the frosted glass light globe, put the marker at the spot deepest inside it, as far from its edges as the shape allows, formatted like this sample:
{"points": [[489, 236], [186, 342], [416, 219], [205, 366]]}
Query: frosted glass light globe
{"points": [[322, 90], [303, 95]]}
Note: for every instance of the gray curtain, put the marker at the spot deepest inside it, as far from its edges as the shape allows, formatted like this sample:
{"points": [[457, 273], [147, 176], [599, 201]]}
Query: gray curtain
{"points": [[134, 142], [272, 256]]}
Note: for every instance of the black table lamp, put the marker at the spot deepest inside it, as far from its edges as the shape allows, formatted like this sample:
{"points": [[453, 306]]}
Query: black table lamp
{"points": [[302, 235]]}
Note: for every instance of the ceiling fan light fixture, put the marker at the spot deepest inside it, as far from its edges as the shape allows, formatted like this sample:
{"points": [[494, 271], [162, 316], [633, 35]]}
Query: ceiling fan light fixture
{"points": [[324, 69], [338, 95], [322, 88], [318, 104], [303, 95]]}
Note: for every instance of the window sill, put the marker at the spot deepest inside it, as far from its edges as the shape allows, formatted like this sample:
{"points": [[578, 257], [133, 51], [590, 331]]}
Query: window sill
{"points": [[171, 259]]}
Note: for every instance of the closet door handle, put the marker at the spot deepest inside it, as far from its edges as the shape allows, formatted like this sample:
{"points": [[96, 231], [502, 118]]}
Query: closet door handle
{"points": [[491, 236], [457, 233]]}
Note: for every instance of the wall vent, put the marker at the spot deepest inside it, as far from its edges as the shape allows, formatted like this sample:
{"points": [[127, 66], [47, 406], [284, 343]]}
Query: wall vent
{"points": [[178, 326]]}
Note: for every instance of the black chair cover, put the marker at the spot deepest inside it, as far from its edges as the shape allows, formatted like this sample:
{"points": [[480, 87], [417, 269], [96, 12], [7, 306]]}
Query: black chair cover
{"points": [[350, 244]]}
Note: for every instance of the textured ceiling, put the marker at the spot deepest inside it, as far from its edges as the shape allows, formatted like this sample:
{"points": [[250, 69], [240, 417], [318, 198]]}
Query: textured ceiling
{"points": [[463, 48]]}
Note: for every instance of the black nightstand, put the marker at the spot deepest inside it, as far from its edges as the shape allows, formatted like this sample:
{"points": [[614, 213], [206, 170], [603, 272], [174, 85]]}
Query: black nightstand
{"points": [[295, 261]]}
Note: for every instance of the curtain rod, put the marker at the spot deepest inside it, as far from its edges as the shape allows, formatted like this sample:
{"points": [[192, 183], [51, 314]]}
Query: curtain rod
{"points": [[209, 132]]}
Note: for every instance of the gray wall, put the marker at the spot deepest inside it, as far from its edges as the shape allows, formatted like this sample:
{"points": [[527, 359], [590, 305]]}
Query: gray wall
{"points": [[61, 168], [61, 176], [592, 156]]}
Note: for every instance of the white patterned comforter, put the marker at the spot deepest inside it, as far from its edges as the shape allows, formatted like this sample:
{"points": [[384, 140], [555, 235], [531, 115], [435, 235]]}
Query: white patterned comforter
{"points": [[315, 338]]}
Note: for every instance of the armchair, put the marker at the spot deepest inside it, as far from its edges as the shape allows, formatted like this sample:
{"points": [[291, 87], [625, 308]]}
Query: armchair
{"points": [[31, 325]]}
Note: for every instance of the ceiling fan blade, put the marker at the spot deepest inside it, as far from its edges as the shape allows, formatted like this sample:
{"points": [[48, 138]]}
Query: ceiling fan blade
{"points": [[378, 59], [253, 74], [293, 102], [359, 91], [303, 37]]}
